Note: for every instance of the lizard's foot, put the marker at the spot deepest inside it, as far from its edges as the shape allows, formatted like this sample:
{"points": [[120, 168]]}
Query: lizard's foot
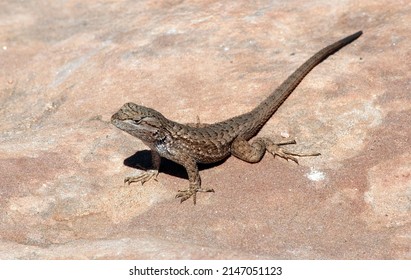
{"points": [[143, 177], [191, 192], [275, 149]]}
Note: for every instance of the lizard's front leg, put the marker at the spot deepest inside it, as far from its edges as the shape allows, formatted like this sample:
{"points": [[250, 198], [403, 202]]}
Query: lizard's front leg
{"points": [[148, 174], [194, 179], [254, 151]]}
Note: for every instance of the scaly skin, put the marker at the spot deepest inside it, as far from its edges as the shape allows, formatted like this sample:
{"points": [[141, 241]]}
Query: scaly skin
{"points": [[192, 144]]}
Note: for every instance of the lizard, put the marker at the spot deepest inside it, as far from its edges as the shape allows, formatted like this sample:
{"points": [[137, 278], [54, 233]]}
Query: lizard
{"points": [[190, 144]]}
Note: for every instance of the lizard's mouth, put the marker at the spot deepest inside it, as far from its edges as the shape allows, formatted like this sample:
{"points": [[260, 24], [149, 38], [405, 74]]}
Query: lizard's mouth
{"points": [[116, 117], [142, 132], [126, 125], [116, 121]]}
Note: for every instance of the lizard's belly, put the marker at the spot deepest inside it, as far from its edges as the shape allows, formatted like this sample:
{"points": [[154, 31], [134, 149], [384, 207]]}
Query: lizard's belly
{"points": [[210, 156], [207, 151], [201, 152]]}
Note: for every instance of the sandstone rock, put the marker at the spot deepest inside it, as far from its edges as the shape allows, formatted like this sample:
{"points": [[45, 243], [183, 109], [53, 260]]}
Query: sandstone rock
{"points": [[67, 66]]}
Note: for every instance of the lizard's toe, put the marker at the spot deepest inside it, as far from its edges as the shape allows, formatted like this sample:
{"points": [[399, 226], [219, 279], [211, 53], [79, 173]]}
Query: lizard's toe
{"points": [[191, 192], [144, 177], [186, 194], [276, 150]]}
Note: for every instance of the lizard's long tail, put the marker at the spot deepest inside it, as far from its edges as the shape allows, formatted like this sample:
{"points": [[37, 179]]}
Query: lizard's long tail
{"points": [[268, 107]]}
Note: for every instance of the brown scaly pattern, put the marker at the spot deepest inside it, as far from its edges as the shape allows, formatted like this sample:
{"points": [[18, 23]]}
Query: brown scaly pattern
{"points": [[192, 144]]}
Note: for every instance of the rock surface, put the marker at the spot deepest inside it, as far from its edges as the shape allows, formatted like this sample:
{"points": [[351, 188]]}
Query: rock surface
{"points": [[67, 66]]}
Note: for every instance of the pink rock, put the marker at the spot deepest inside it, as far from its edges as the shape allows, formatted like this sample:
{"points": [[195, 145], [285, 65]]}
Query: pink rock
{"points": [[66, 67]]}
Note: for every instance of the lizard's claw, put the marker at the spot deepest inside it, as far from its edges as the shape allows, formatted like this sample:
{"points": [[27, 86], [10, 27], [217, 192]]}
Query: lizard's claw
{"points": [[291, 156], [275, 149], [191, 192], [143, 177]]}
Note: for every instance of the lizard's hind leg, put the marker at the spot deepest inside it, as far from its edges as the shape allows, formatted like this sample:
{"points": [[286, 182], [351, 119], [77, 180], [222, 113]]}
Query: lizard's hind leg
{"points": [[254, 151]]}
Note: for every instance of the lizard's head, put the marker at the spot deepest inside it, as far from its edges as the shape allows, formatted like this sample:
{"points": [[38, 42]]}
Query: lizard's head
{"points": [[139, 121]]}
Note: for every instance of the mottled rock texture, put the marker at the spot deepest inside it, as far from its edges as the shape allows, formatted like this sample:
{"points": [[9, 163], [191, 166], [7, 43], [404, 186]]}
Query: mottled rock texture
{"points": [[67, 66]]}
